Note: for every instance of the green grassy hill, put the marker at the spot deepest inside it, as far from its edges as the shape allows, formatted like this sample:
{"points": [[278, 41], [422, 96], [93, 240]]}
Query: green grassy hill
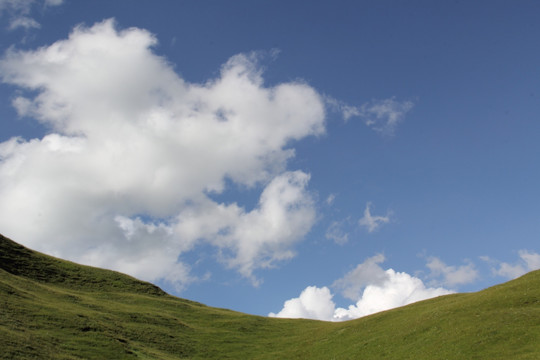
{"points": [[55, 309]]}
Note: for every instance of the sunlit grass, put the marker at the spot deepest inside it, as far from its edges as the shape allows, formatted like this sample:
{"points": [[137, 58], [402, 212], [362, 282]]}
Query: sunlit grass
{"points": [[54, 309]]}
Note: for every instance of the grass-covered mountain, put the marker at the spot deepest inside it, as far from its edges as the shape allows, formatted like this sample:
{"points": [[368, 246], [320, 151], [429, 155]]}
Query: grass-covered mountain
{"points": [[55, 309]]}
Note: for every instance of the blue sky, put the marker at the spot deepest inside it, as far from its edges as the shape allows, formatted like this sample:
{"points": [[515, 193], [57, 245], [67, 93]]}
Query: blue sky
{"points": [[322, 160]]}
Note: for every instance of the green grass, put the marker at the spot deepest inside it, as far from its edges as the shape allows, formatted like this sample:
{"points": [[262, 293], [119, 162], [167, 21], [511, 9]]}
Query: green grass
{"points": [[55, 309]]}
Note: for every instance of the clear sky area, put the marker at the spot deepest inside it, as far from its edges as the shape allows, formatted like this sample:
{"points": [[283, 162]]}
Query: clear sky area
{"points": [[316, 159]]}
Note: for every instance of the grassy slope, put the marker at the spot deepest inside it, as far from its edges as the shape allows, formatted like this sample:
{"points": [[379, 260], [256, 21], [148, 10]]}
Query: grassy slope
{"points": [[51, 308]]}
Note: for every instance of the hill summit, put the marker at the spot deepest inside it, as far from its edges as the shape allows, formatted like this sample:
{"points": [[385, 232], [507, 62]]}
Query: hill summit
{"points": [[55, 309]]}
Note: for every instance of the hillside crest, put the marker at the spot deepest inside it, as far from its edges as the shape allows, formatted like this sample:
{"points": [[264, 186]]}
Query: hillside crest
{"points": [[56, 309]]}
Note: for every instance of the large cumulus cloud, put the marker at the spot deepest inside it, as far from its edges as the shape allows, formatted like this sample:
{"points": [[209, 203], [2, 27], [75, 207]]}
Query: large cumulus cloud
{"points": [[126, 176]]}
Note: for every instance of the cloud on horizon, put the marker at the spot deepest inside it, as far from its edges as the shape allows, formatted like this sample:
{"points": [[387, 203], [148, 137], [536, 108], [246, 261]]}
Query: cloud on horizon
{"points": [[371, 287], [451, 276], [528, 261]]}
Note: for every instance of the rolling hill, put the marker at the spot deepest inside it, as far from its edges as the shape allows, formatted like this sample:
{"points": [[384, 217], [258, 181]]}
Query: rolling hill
{"points": [[55, 309]]}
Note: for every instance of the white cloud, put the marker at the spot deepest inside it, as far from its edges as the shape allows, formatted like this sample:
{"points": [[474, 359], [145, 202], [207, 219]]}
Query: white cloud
{"points": [[24, 22], [313, 303], [451, 275], [259, 238], [24, 6], [371, 287], [53, 2], [21, 6], [528, 261], [126, 176], [384, 115], [372, 223], [330, 199], [19, 11], [366, 273], [336, 233], [398, 290], [531, 259], [381, 115]]}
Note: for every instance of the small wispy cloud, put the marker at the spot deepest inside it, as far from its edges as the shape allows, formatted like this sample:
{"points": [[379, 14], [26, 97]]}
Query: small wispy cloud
{"points": [[53, 2], [19, 12], [24, 22], [528, 261], [381, 115], [330, 199], [336, 232], [449, 275], [384, 115], [371, 222]]}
